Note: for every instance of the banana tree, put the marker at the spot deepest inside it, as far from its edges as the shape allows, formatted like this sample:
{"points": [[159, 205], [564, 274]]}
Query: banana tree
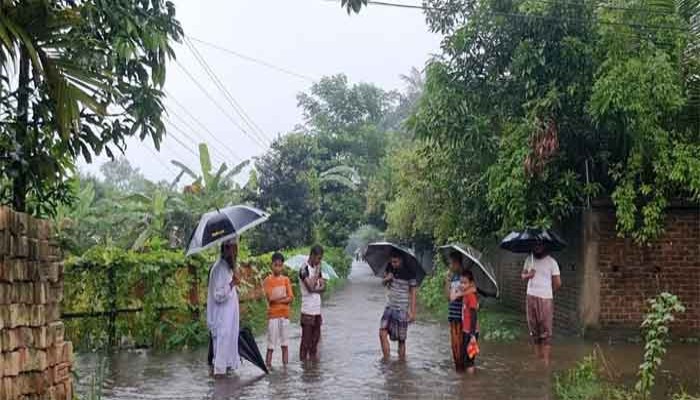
{"points": [[156, 211], [210, 189]]}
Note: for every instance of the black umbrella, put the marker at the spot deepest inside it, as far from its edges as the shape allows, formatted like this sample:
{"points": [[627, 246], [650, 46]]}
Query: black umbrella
{"points": [[221, 225], [484, 275], [247, 349], [526, 240], [378, 256]]}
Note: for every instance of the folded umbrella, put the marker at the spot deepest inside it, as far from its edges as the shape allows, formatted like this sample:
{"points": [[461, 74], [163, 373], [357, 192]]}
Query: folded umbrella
{"points": [[299, 260], [484, 275], [248, 349], [378, 256], [526, 240], [222, 225]]}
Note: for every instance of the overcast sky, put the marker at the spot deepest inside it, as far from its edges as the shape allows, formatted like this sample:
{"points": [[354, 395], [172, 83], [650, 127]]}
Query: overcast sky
{"points": [[312, 38]]}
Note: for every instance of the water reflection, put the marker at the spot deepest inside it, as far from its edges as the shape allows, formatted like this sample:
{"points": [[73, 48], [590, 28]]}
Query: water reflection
{"points": [[351, 365]]}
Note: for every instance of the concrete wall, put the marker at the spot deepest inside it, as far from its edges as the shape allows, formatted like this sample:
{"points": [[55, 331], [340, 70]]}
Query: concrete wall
{"points": [[607, 279], [35, 360]]}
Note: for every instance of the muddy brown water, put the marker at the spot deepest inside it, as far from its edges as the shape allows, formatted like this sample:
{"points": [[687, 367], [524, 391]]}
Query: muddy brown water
{"points": [[350, 366]]}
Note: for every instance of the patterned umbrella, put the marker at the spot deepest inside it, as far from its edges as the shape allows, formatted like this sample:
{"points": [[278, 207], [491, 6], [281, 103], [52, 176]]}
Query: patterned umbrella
{"points": [[484, 276], [221, 225]]}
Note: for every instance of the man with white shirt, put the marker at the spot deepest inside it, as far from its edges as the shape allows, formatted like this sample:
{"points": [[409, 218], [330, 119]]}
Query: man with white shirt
{"points": [[543, 277]]}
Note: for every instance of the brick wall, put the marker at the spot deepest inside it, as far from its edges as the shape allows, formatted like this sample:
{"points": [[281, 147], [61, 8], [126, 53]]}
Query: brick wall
{"points": [[35, 360], [631, 274]]}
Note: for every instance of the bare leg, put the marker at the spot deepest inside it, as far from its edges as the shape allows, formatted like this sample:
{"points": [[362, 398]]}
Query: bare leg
{"points": [[402, 350], [471, 370], [268, 358], [384, 341], [538, 350], [546, 352], [285, 355]]}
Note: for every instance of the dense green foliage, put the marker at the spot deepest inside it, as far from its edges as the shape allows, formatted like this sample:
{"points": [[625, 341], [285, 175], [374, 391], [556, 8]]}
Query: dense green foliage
{"points": [[106, 277], [532, 108], [76, 79]]}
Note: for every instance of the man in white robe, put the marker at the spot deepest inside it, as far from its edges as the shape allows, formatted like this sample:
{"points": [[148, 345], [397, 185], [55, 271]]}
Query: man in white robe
{"points": [[222, 311]]}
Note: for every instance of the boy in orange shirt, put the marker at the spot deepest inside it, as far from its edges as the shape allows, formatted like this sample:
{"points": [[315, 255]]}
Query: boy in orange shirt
{"points": [[278, 290], [470, 323]]}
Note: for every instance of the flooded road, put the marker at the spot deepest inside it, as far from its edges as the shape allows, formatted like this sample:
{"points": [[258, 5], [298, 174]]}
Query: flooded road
{"points": [[350, 366]]}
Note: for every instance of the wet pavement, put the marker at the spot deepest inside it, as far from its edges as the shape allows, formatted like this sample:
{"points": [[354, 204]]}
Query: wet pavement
{"points": [[351, 366]]}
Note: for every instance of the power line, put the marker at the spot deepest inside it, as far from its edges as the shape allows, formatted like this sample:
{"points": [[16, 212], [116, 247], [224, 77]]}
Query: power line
{"points": [[160, 161], [201, 125], [180, 142], [216, 103], [194, 142], [254, 60], [215, 151], [227, 94]]}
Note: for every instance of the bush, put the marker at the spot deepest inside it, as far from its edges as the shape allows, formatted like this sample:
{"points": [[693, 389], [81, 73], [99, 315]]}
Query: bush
{"points": [[582, 382]]}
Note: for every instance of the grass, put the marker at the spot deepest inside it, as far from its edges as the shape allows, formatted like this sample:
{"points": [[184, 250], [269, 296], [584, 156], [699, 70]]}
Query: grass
{"points": [[593, 379]]}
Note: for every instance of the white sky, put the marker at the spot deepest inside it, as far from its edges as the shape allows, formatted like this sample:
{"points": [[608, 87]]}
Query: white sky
{"points": [[310, 37]]}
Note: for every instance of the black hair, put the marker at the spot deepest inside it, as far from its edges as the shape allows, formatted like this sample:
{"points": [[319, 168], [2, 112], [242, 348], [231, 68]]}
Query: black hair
{"points": [[396, 254], [467, 273], [456, 256], [316, 250], [277, 256]]}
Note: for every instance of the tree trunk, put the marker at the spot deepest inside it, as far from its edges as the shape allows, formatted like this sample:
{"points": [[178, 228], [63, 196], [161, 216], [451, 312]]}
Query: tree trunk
{"points": [[19, 182]]}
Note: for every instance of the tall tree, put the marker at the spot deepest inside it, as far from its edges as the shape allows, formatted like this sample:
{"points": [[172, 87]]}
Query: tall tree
{"points": [[78, 77], [288, 188]]}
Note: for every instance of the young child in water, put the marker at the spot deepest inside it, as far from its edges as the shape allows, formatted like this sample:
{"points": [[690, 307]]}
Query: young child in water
{"points": [[470, 323]]}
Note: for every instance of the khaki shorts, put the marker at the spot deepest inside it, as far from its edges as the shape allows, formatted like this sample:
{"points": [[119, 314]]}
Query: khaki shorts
{"points": [[277, 333], [540, 316]]}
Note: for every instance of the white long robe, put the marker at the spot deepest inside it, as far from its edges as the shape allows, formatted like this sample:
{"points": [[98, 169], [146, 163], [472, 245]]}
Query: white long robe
{"points": [[222, 317]]}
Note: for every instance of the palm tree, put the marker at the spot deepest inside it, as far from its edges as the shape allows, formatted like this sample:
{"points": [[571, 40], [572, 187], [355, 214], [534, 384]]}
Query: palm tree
{"points": [[342, 175]]}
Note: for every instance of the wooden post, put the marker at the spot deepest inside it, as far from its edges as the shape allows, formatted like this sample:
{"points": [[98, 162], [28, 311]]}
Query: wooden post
{"points": [[194, 292], [112, 324]]}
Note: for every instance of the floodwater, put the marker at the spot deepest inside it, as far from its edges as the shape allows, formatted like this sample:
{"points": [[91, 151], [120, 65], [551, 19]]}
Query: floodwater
{"points": [[350, 366]]}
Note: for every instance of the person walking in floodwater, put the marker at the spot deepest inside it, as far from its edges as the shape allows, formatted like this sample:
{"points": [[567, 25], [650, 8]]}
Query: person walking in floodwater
{"points": [[223, 311], [454, 309], [401, 305], [312, 285], [542, 274]]}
